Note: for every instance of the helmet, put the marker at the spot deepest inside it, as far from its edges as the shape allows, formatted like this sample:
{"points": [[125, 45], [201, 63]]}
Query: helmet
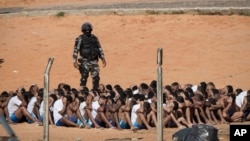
{"points": [[86, 27]]}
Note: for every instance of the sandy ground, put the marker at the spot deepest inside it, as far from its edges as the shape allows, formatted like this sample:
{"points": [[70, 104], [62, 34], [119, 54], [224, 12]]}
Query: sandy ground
{"points": [[30, 132], [195, 48]]}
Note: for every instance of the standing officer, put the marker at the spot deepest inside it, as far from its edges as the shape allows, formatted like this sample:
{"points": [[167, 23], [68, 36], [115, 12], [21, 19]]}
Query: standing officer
{"points": [[89, 48]]}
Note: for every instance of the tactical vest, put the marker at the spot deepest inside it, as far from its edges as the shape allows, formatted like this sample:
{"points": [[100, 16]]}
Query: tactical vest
{"points": [[89, 48]]}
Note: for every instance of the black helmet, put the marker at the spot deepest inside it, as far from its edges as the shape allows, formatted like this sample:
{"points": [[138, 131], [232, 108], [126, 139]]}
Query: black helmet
{"points": [[86, 27]]}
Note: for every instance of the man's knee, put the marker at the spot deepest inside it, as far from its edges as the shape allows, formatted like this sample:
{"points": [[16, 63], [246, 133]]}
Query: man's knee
{"points": [[23, 108]]}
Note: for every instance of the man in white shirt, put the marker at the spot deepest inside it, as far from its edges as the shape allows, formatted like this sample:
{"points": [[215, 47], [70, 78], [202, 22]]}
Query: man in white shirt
{"points": [[31, 106], [34, 103], [239, 98]]}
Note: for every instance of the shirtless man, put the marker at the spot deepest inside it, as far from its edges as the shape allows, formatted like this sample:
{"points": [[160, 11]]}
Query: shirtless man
{"points": [[73, 111], [232, 112], [169, 113]]}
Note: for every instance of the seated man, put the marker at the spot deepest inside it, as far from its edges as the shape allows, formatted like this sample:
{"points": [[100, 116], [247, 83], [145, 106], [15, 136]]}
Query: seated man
{"points": [[17, 108], [124, 114], [246, 106], [169, 110], [98, 108], [59, 111], [151, 111], [198, 108], [51, 101], [91, 97], [34, 103], [179, 114], [232, 112], [137, 114], [218, 106], [4, 99], [185, 104], [73, 111], [111, 111]]}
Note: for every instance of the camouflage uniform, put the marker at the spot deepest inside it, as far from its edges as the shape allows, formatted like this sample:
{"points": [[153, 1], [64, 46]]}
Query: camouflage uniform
{"points": [[90, 51]]}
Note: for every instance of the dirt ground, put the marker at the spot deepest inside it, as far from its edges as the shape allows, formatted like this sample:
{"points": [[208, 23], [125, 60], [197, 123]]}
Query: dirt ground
{"points": [[31, 132], [195, 48]]}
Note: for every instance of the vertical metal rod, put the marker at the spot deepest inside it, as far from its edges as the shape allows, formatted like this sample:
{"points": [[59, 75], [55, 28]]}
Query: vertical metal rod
{"points": [[159, 97], [6, 126], [46, 101]]}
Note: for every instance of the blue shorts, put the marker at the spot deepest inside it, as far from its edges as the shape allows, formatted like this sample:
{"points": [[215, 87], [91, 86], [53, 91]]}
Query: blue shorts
{"points": [[59, 123], [73, 119], [14, 118], [123, 124], [139, 126]]}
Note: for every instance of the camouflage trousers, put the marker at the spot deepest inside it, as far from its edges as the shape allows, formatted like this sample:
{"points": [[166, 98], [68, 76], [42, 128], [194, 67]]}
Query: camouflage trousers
{"points": [[91, 67]]}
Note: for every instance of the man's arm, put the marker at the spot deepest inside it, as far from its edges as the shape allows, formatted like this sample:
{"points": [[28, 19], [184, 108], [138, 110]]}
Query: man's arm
{"points": [[101, 53], [64, 106], [76, 50], [20, 97]]}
